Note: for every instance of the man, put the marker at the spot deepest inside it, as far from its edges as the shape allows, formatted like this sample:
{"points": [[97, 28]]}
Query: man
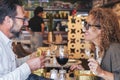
{"points": [[11, 21], [36, 27]]}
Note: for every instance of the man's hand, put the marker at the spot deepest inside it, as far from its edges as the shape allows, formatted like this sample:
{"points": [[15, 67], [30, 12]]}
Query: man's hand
{"points": [[36, 63]]}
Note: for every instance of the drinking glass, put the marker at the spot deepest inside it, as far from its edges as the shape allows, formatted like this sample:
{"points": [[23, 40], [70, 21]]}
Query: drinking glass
{"points": [[62, 55], [84, 60]]}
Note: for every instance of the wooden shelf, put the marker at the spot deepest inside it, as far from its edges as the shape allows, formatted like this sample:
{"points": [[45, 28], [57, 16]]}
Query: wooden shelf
{"points": [[56, 19], [46, 9]]}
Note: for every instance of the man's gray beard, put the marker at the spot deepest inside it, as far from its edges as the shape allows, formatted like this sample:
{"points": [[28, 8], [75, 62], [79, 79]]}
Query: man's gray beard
{"points": [[14, 33]]}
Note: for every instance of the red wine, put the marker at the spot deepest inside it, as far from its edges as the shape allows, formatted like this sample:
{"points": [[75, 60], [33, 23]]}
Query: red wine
{"points": [[62, 60]]}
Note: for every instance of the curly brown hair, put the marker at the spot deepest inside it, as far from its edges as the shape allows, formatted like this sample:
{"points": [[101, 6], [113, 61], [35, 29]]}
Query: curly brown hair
{"points": [[110, 30]]}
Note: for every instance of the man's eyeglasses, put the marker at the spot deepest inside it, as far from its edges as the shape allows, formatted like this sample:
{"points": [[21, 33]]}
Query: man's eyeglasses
{"points": [[87, 25], [24, 19]]}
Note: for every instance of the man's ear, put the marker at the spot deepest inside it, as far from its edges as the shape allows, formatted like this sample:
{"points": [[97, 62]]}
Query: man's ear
{"points": [[8, 20]]}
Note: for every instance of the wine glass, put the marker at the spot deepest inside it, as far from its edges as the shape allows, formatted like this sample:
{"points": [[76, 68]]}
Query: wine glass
{"points": [[84, 59], [52, 48], [62, 55]]}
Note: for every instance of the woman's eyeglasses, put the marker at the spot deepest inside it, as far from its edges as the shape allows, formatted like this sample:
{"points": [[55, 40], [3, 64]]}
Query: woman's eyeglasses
{"points": [[87, 25]]}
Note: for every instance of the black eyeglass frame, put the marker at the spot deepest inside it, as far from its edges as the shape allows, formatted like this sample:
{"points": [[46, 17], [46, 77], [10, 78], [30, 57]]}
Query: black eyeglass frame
{"points": [[87, 25], [24, 19]]}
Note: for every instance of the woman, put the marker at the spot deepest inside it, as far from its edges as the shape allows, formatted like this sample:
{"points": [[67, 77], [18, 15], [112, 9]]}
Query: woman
{"points": [[102, 29]]}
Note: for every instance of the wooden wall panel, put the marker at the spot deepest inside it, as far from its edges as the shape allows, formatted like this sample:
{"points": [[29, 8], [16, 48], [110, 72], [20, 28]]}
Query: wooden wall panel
{"points": [[76, 42]]}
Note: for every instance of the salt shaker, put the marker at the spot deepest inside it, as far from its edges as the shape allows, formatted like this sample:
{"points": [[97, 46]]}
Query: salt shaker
{"points": [[48, 53], [62, 74], [54, 62], [54, 74]]}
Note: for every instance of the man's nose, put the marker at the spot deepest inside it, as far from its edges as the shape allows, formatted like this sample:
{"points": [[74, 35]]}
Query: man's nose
{"points": [[25, 23]]}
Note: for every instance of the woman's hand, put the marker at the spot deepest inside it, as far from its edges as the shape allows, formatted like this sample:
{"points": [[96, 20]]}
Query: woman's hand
{"points": [[73, 67], [94, 66], [98, 71]]}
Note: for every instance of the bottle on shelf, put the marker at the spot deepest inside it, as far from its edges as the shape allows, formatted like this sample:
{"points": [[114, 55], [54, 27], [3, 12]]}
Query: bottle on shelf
{"points": [[57, 15]]}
